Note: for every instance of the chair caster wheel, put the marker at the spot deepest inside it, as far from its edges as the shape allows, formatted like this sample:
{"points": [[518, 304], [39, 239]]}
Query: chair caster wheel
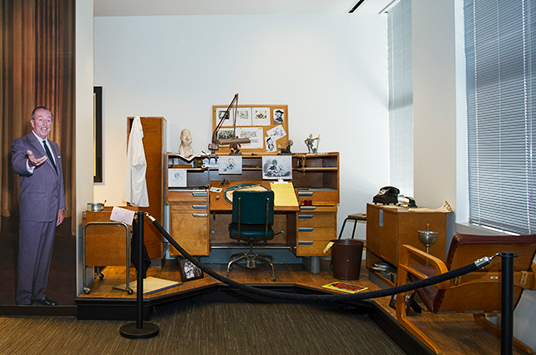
{"points": [[87, 290], [130, 291], [101, 275], [273, 278]]}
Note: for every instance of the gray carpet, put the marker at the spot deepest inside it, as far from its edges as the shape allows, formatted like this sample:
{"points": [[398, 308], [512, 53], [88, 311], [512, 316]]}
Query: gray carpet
{"points": [[199, 327]]}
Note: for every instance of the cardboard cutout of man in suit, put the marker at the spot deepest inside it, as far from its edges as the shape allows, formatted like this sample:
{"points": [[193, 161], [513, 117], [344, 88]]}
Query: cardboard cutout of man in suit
{"points": [[41, 206]]}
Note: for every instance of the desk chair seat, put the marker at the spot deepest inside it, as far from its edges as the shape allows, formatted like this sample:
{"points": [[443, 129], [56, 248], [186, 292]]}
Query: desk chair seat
{"points": [[478, 292], [252, 219]]}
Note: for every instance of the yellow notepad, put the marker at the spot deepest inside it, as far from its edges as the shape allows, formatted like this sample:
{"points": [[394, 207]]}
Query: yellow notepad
{"points": [[284, 194]]}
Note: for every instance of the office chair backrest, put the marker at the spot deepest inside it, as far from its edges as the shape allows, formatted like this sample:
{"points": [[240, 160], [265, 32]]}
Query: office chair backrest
{"points": [[481, 289], [253, 206]]}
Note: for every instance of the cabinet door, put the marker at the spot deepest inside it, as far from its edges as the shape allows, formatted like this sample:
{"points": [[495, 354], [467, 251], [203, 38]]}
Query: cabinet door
{"points": [[389, 239], [190, 230], [373, 230]]}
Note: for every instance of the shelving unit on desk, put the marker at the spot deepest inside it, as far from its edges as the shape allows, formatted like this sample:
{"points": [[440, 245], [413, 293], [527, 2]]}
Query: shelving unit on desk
{"points": [[316, 179]]}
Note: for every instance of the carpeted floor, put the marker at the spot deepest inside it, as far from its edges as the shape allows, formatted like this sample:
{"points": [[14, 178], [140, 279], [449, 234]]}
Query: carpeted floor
{"points": [[198, 326]]}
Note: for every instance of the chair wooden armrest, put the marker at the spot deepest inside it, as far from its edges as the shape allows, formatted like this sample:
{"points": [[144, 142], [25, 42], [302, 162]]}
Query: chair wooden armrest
{"points": [[530, 284], [404, 258]]}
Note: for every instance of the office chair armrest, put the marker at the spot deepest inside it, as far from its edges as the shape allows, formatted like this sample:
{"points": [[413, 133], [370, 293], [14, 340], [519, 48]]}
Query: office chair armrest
{"points": [[404, 257]]}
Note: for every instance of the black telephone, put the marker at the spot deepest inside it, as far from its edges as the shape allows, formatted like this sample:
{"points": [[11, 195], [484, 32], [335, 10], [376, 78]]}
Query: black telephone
{"points": [[388, 195]]}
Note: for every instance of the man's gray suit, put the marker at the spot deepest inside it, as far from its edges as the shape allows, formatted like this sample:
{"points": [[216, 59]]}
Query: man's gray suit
{"points": [[42, 194]]}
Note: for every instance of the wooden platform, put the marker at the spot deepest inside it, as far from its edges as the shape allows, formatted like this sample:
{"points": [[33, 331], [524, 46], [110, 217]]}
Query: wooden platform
{"points": [[455, 334]]}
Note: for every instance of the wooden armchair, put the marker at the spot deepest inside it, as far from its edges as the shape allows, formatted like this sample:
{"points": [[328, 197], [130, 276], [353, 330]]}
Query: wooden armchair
{"points": [[478, 292]]}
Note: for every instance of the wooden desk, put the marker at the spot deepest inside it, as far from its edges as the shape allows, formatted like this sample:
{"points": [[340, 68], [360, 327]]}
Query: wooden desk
{"points": [[219, 203], [199, 218], [106, 243]]}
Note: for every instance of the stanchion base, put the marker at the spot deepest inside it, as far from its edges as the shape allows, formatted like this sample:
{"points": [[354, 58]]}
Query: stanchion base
{"points": [[131, 331]]}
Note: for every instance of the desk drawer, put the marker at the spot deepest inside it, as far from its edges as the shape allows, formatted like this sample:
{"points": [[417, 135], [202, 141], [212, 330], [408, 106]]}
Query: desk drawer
{"points": [[306, 219], [325, 197], [190, 230], [189, 207], [312, 248], [315, 233], [200, 196]]}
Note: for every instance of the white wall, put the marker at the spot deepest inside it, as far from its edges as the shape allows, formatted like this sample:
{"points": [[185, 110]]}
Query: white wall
{"points": [[439, 124], [434, 102], [331, 71], [84, 121]]}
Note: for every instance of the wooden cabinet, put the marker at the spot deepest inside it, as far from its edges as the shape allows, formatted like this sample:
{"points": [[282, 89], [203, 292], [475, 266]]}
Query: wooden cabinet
{"points": [[154, 135], [317, 225], [388, 227], [315, 177], [189, 222]]}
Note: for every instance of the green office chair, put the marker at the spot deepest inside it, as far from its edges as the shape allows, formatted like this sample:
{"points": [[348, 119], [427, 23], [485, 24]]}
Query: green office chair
{"points": [[253, 216]]}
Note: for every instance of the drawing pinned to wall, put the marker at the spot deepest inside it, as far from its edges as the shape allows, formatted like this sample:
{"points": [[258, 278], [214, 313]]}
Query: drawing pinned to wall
{"points": [[230, 164], [243, 117], [261, 116], [279, 116], [229, 120], [225, 133], [276, 132], [270, 144], [255, 135]]}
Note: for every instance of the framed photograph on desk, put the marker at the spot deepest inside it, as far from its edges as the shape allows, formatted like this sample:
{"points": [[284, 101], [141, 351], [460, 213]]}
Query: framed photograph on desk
{"points": [[276, 167], [189, 271]]}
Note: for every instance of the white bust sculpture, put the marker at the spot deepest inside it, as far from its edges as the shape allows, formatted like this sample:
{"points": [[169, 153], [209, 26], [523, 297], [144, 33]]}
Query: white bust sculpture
{"points": [[185, 148]]}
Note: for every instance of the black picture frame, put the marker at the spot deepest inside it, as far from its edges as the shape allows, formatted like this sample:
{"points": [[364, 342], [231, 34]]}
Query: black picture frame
{"points": [[189, 271], [408, 301], [97, 134]]}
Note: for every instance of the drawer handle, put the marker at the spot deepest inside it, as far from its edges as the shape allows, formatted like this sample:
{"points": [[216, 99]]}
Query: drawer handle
{"points": [[199, 207], [305, 242], [305, 193], [305, 216], [199, 214], [199, 194], [305, 229], [307, 208]]}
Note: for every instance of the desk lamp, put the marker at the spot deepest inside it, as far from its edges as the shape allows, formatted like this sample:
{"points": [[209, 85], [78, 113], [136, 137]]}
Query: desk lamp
{"points": [[215, 144]]}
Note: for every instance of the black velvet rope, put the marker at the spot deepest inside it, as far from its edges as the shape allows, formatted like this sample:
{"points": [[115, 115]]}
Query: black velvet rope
{"points": [[318, 298]]}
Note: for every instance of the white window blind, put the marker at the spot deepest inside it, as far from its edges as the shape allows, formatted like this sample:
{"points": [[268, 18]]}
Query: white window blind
{"points": [[400, 97], [499, 42]]}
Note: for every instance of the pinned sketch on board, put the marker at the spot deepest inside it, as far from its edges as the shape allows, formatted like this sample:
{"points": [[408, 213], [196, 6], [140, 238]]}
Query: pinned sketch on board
{"points": [[261, 116]]}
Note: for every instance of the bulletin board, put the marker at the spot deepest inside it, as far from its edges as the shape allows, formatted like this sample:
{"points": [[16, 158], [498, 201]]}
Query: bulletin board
{"points": [[265, 125]]}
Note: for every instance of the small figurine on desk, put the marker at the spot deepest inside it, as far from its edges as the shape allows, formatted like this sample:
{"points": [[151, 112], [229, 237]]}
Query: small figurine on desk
{"points": [[186, 149], [235, 148], [285, 150], [309, 142]]}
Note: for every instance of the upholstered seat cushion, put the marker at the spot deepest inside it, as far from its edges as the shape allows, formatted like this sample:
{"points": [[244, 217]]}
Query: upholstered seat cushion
{"points": [[250, 231]]}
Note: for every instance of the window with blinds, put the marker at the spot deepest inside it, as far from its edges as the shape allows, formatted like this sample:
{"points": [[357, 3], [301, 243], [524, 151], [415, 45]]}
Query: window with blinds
{"points": [[400, 97], [499, 43]]}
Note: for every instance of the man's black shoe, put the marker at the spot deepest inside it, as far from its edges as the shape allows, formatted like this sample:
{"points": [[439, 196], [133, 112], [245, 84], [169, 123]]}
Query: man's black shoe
{"points": [[44, 302]]}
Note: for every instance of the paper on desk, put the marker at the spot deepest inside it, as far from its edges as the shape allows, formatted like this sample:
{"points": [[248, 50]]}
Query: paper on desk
{"points": [[284, 194], [122, 215]]}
